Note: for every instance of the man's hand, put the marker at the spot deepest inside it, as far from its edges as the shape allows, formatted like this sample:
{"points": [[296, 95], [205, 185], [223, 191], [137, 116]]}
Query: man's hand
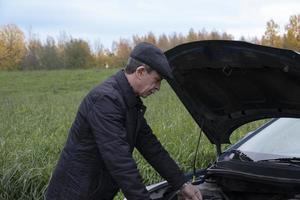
{"points": [[190, 192]]}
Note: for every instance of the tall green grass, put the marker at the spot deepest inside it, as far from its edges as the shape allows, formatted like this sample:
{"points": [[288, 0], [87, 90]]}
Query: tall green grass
{"points": [[37, 109]]}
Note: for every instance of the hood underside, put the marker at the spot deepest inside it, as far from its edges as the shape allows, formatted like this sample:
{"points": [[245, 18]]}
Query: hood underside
{"points": [[225, 84]]}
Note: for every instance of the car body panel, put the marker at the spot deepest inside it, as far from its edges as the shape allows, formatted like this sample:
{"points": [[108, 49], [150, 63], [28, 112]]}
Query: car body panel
{"points": [[225, 84]]}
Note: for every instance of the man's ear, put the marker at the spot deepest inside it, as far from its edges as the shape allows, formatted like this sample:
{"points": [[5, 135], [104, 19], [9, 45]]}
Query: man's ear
{"points": [[139, 72]]}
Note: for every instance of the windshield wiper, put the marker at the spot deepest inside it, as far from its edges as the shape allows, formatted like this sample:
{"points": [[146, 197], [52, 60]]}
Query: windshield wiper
{"points": [[291, 160], [239, 155]]}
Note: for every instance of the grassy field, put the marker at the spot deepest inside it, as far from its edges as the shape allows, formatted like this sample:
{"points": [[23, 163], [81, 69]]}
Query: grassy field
{"points": [[37, 109]]}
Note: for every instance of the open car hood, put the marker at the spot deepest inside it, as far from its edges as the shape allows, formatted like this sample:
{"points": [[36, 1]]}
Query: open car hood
{"points": [[225, 84]]}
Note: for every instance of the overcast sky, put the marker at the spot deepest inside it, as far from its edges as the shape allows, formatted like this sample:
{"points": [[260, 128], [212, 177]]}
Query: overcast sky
{"points": [[107, 21]]}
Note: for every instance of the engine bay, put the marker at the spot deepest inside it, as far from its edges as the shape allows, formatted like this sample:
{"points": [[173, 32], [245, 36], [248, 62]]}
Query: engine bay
{"points": [[226, 189]]}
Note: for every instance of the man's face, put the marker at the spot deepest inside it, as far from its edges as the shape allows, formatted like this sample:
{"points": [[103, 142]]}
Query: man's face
{"points": [[149, 83]]}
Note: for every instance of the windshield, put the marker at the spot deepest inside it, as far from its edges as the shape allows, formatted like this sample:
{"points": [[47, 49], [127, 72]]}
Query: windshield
{"points": [[278, 140]]}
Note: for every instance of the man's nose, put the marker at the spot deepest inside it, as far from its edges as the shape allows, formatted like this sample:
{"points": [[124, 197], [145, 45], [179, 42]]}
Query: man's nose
{"points": [[157, 86]]}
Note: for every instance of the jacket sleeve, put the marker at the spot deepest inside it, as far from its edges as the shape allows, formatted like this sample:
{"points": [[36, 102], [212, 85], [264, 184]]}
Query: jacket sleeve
{"points": [[152, 150], [108, 126]]}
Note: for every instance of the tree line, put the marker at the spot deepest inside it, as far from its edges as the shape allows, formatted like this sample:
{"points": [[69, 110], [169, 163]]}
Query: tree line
{"points": [[17, 53]]}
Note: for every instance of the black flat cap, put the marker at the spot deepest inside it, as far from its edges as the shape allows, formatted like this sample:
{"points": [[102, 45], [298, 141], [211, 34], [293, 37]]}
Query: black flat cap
{"points": [[153, 57]]}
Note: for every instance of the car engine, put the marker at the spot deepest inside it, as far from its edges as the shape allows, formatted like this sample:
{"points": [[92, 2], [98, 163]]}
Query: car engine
{"points": [[212, 191]]}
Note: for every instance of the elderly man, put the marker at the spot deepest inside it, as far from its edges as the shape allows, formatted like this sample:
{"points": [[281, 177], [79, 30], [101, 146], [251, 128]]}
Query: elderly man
{"points": [[97, 159]]}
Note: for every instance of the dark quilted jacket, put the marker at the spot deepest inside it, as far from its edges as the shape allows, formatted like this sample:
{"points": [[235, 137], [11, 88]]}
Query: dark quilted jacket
{"points": [[97, 158]]}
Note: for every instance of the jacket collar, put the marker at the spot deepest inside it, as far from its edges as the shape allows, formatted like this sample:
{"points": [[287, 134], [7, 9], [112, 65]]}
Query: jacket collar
{"points": [[127, 91]]}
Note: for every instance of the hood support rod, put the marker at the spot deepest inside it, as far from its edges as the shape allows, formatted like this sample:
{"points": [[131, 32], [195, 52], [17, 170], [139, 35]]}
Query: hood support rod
{"points": [[218, 148]]}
